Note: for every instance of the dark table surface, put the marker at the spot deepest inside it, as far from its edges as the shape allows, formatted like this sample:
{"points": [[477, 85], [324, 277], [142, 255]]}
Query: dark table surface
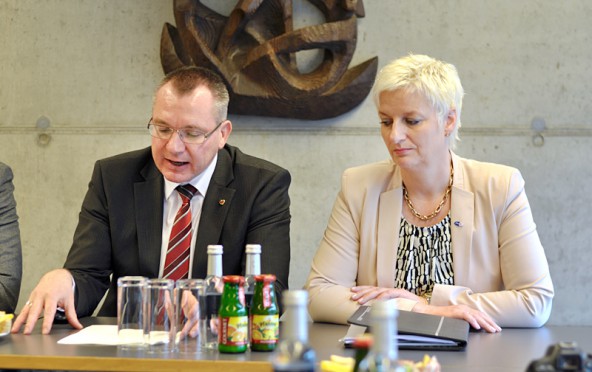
{"points": [[510, 350]]}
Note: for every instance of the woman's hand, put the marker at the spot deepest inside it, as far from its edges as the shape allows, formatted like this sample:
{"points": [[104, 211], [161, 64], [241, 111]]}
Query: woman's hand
{"points": [[477, 319], [364, 293]]}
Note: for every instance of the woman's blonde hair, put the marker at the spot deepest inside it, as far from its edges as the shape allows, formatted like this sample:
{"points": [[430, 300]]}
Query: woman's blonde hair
{"points": [[436, 80]]}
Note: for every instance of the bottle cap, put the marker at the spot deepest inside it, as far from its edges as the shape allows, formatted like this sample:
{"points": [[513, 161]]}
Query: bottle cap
{"points": [[235, 279], [265, 278], [215, 249], [253, 248], [295, 297], [363, 342]]}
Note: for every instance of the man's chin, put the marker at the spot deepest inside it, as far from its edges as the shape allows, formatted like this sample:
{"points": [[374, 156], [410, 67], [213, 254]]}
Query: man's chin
{"points": [[177, 177]]}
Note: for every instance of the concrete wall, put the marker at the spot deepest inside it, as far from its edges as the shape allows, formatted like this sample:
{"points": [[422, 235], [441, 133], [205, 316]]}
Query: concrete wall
{"points": [[77, 77]]}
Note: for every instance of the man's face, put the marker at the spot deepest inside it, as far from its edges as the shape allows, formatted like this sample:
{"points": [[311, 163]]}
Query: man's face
{"points": [[178, 161]]}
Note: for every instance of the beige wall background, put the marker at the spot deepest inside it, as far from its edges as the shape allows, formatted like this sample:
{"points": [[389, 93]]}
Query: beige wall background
{"points": [[76, 84]]}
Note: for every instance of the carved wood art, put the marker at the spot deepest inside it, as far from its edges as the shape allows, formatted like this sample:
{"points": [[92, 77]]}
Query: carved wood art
{"points": [[254, 50]]}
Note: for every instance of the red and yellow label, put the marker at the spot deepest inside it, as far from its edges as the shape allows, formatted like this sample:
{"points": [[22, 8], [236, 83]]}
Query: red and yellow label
{"points": [[233, 330], [265, 329]]}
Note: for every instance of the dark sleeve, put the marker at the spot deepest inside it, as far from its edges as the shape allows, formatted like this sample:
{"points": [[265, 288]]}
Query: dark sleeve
{"points": [[10, 244], [270, 226], [89, 259]]}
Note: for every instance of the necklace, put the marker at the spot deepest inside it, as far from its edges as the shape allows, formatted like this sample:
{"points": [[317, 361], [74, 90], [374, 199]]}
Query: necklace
{"points": [[423, 217]]}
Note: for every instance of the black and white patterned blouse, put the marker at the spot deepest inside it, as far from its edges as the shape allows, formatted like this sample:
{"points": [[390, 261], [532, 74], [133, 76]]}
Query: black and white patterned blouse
{"points": [[424, 257]]}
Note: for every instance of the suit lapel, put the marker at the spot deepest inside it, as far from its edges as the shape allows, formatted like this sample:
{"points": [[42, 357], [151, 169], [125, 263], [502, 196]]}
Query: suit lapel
{"points": [[389, 217], [461, 224], [215, 208], [148, 200]]}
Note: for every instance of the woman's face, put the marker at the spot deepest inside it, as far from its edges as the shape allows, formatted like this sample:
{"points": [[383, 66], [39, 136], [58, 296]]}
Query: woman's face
{"points": [[410, 128]]}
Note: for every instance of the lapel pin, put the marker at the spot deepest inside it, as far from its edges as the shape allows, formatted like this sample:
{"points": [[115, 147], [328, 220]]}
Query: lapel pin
{"points": [[222, 201], [458, 224]]}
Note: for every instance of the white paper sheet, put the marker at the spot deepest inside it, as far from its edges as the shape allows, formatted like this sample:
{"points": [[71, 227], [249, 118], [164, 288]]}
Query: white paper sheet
{"points": [[93, 335]]}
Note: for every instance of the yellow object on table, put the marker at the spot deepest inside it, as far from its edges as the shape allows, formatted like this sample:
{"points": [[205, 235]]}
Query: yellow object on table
{"points": [[5, 322], [338, 364], [343, 364], [428, 364]]}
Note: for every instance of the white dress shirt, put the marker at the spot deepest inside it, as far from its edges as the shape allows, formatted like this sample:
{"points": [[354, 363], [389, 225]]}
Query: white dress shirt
{"points": [[171, 204]]}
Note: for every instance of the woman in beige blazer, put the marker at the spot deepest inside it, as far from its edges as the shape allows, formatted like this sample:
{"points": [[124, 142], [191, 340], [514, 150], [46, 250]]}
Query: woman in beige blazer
{"points": [[441, 234]]}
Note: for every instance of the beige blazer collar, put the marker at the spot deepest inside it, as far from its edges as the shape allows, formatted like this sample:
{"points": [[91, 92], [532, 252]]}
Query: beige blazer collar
{"points": [[462, 213], [389, 216], [390, 207]]}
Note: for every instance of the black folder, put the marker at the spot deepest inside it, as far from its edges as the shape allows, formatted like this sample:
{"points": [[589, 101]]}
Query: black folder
{"points": [[417, 331]]}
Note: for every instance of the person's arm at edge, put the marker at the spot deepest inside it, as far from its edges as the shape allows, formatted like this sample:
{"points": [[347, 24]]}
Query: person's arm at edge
{"points": [[10, 244]]}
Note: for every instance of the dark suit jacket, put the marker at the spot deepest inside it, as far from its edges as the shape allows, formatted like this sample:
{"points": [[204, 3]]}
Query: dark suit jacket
{"points": [[120, 225]]}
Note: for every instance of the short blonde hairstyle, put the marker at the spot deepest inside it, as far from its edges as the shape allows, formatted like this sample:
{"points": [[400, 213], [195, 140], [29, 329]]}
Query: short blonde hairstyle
{"points": [[436, 80]]}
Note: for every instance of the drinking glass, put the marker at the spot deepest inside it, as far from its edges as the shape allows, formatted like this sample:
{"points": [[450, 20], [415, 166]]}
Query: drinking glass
{"points": [[159, 328], [188, 295], [131, 294]]}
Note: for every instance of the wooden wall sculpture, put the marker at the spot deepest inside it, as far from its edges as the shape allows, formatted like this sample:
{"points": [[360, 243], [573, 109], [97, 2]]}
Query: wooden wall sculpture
{"points": [[254, 50]]}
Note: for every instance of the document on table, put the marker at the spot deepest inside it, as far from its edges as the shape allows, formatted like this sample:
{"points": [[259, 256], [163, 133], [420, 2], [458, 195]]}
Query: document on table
{"points": [[411, 342], [93, 335], [416, 331]]}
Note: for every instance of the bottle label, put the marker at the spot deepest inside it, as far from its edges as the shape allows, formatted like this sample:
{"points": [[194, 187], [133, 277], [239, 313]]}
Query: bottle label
{"points": [[233, 330], [265, 329]]}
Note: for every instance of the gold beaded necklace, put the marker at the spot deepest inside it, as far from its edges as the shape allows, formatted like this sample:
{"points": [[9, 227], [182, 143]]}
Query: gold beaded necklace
{"points": [[423, 217]]}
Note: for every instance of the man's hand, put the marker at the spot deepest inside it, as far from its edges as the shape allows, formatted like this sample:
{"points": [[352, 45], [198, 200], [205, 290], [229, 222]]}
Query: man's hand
{"points": [[53, 290], [190, 306]]}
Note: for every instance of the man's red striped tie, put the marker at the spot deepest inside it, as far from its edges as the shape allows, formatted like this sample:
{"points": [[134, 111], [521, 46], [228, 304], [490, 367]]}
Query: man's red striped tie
{"points": [[176, 264]]}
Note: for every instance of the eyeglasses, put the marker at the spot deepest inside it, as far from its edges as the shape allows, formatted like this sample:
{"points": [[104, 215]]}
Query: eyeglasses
{"points": [[187, 135]]}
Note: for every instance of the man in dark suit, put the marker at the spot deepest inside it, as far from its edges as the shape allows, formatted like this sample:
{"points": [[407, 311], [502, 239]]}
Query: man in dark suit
{"points": [[130, 207]]}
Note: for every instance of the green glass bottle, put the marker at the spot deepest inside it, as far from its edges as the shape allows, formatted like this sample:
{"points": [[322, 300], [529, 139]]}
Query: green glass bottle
{"points": [[362, 346], [233, 318], [264, 317]]}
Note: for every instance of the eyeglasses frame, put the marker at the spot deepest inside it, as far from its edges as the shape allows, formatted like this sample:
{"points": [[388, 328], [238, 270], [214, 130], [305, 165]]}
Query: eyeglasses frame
{"points": [[179, 132]]}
